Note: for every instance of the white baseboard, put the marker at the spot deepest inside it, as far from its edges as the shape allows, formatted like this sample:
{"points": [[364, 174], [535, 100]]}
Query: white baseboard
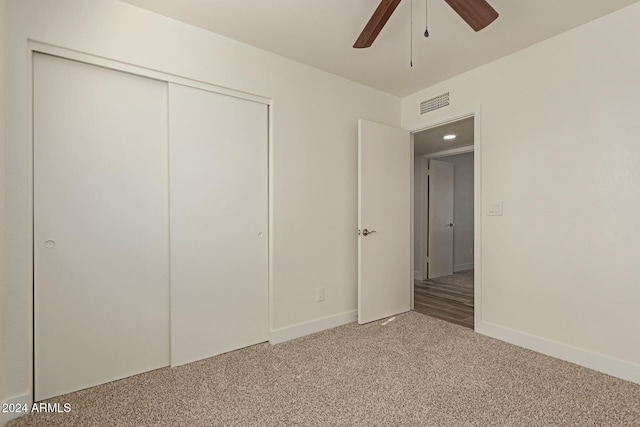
{"points": [[23, 399], [463, 267], [301, 329], [596, 361], [417, 275]]}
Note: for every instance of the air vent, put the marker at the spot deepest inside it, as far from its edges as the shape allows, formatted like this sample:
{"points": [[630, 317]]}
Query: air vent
{"points": [[434, 103]]}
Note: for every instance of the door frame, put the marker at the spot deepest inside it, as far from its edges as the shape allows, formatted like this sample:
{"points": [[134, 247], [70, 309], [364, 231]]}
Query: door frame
{"points": [[477, 199], [423, 209], [21, 185]]}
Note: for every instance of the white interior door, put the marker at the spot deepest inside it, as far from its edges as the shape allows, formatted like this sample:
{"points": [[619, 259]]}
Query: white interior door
{"points": [[101, 266], [440, 219], [219, 221], [384, 221]]}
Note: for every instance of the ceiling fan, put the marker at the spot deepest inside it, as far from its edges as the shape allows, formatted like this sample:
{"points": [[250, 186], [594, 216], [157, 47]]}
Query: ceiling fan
{"points": [[477, 13]]}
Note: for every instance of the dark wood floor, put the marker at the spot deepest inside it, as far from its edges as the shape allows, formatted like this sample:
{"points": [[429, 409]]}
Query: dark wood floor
{"points": [[448, 298]]}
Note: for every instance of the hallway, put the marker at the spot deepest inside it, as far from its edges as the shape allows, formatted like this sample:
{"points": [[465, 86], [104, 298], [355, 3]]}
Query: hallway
{"points": [[448, 298]]}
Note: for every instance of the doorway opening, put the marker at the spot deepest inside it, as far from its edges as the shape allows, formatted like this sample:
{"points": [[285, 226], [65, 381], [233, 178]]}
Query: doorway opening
{"points": [[444, 207]]}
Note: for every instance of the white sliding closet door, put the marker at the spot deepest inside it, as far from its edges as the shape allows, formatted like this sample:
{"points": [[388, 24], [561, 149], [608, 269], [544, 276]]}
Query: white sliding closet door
{"points": [[218, 198], [101, 251]]}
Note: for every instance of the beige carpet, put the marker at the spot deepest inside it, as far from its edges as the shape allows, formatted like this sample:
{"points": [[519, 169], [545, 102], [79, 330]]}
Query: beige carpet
{"points": [[415, 371]]}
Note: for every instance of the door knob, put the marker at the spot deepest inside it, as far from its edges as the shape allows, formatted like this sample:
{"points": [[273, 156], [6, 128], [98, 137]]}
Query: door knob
{"points": [[451, 224], [366, 232]]}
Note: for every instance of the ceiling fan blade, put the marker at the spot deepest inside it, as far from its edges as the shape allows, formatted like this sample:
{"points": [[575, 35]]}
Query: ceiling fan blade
{"points": [[477, 13], [376, 23]]}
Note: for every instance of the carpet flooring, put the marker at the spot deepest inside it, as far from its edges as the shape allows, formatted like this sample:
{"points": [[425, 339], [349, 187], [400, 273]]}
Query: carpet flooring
{"points": [[413, 371], [448, 298]]}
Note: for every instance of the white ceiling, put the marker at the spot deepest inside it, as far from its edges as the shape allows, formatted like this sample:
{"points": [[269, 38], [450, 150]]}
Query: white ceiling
{"points": [[430, 141], [321, 33]]}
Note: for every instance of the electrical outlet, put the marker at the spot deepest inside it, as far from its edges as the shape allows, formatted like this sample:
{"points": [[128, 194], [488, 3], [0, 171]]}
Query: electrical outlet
{"points": [[494, 208], [319, 294]]}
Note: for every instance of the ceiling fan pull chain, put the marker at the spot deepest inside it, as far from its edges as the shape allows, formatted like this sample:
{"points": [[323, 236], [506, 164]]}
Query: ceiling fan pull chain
{"points": [[411, 37], [426, 18]]}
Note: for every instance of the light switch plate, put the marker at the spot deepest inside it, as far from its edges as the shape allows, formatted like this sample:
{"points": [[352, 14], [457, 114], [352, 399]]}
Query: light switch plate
{"points": [[494, 208]]}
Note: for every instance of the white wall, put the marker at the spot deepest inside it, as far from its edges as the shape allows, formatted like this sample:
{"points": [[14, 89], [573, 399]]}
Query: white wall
{"points": [[560, 148], [462, 210], [3, 114], [417, 221], [314, 151]]}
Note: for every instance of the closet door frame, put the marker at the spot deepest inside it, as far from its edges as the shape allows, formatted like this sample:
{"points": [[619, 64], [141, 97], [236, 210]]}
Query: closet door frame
{"points": [[26, 236]]}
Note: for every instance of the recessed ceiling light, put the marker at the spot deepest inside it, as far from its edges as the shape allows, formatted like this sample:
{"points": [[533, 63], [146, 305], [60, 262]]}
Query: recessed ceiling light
{"points": [[450, 136]]}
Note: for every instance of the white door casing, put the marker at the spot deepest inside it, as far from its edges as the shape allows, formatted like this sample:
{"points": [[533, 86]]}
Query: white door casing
{"points": [[441, 223], [384, 206], [101, 247], [219, 223]]}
